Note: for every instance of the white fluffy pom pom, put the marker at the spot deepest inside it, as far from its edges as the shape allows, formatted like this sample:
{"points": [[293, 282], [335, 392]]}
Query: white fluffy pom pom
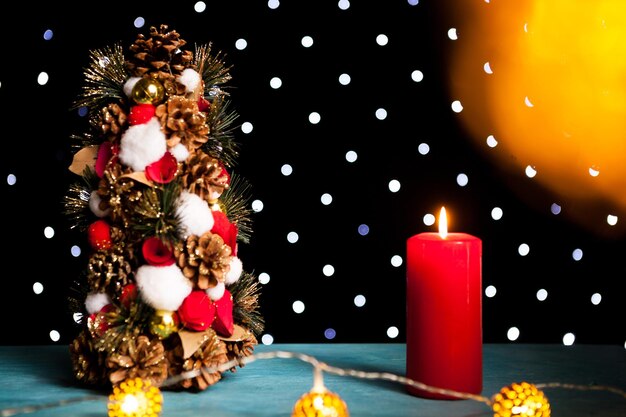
{"points": [[130, 84], [95, 301], [180, 152], [236, 268], [94, 205], [162, 287], [190, 79], [194, 213], [142, 145], [217, 292]]}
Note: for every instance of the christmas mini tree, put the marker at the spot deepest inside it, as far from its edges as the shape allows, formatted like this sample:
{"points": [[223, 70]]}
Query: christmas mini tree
{"points": [[163, 291]]}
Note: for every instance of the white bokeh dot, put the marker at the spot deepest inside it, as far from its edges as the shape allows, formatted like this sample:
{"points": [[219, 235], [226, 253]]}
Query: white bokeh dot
{"points": [[344, 79], [273, 4], [542, 294], [512, 334], [37, 287], [199, 7], [298, 306], [343, 4], [496, 213], [246, 127], [457, 107], [568, 339], [257, 206], [523, 249], [292, 237], [381, 114], [577, 254], [611, 220], [394, 186], [490, 291], [326, 199], [596, 298], [267, 339], [382, 39], [462, 179], [286, 170], [276, 82], [417, 76], [359, 300], [241, 44], [423, 148], [11, 179], [264, 278], [307, 41], [555, 209], [429, 219], [42, 78], [139, 22], [328, 270], [75, 251], [393, 332], [396, 260], [48, 232], [491, 141], [351, 156], [55, 336], [530, 171], [314, 118]]}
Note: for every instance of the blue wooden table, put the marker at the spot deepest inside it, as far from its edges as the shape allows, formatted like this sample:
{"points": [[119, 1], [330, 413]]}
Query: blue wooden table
{"points": [[39, 375]]}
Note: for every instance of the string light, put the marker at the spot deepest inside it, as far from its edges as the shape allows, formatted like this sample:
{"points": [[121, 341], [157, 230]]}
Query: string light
{"points": [[518, 399]]}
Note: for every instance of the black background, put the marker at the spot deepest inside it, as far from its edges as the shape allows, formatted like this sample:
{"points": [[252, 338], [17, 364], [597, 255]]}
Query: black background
{"points": [[37, 124]]}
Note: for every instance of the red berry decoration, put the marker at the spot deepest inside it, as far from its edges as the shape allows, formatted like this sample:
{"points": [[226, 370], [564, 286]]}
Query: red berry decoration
{"points": [[223, 323], [141, 113], [204, 105], [99, 235]]}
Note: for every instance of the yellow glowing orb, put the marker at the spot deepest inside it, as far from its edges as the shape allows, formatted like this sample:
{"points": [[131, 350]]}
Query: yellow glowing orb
{"points": [[520, 399], [320, 404], [135, 397], [546, 80]]}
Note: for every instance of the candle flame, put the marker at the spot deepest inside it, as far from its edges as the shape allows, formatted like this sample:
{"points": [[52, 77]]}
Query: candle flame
{"points": [[443, 223]]}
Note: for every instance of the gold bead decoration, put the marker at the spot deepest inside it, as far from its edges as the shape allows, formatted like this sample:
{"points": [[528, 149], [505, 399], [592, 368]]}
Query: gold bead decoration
{"points": [[163, 323], [520, 399], [148, 91]]}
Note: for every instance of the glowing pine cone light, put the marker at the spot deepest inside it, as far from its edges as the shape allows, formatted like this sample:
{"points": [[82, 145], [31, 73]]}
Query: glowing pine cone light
{"points": [[520, 399], [135, 398]]}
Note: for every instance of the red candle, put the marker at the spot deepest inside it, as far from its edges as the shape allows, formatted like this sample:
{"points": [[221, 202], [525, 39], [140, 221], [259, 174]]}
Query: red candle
{"points": [[444, 312]]}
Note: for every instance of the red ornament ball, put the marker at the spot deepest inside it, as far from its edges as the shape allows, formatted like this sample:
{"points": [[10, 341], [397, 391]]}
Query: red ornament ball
{"points": [[99, 235]]}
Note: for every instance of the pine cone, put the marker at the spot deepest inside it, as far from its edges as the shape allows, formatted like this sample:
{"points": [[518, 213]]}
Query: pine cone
{"points": [[241, 348], [118, 193], [138, 357], [209, 356], [204, 175], [183, 122], [87, 362], [109, 271], [205, 259], [111, 122], [160, 56]]}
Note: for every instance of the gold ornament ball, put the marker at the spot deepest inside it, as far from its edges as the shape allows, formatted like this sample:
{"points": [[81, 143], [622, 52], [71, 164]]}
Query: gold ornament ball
{"points": [[520, 399], [163, 323], [320, 404], [148, 91], [135, 397]]}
